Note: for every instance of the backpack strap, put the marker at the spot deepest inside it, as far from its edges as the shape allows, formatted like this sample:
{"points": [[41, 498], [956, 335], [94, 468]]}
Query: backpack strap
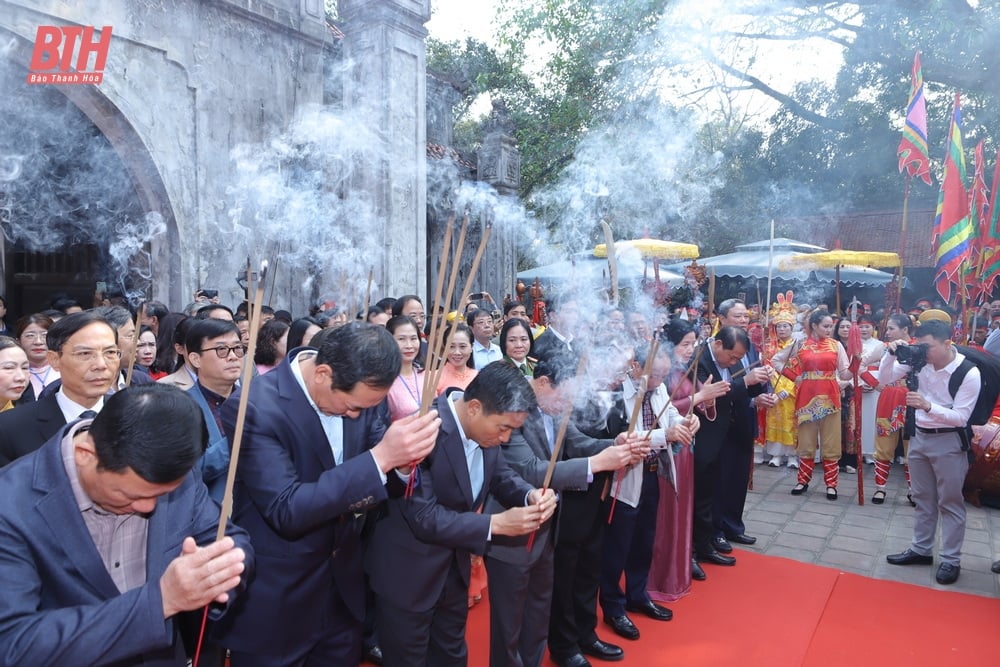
{"points": [[954, 382], [956, 379]]}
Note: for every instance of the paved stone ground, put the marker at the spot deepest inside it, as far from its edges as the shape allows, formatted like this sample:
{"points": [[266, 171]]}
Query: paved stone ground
{"points": [[841, 534]]}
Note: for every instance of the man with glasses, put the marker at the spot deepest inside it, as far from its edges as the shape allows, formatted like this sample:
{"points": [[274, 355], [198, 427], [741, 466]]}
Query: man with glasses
{"points": [[215, 351], [83, 347]]}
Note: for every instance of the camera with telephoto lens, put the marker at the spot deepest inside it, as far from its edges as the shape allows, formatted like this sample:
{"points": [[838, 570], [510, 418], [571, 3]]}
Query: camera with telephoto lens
{"points": [[914, 356]]}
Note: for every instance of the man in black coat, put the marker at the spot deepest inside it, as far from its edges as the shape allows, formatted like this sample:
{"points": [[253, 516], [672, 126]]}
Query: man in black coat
{"points": [[83, 347], [728, 431]]}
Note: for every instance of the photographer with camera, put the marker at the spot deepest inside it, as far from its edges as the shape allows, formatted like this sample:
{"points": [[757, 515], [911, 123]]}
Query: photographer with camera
{"points": [[938, 456]]}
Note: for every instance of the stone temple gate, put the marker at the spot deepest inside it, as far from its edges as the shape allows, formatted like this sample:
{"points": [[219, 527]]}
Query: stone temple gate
{"points": [[186, 82]]}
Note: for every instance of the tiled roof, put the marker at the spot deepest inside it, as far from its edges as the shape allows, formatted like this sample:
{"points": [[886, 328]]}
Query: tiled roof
{"points": [[875, 230], [439, 152]]}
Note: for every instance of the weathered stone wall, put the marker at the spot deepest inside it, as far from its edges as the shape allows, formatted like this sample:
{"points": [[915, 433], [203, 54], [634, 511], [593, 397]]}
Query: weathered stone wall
{"points": [[185, 82]]}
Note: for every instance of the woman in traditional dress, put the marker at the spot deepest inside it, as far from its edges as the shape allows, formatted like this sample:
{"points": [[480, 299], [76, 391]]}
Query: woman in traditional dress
{"points": [[890, 415], [848, 442], [673, 567], [14, 372], [405, 394], [32, 331], [815, 368], [871, 355], [517, 345], [779, 430]]}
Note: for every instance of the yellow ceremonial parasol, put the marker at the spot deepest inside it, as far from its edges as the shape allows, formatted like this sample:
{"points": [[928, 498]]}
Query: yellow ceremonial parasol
{"points": [[838, 258], [652, 249]]}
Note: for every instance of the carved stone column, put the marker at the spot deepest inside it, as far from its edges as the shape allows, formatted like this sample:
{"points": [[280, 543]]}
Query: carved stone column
{"points": [[386, 85], [499, 164]]}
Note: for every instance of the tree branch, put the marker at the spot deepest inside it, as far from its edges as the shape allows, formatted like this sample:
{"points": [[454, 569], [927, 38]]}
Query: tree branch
{"points": [[789, 102]]}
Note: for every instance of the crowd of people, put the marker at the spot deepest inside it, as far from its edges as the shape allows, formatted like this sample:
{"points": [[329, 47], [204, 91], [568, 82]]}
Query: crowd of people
{"points": [[558, 461]]}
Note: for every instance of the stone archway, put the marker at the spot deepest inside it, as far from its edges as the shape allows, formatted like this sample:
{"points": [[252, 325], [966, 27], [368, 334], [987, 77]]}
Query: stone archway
{"points": [[137, 163]]}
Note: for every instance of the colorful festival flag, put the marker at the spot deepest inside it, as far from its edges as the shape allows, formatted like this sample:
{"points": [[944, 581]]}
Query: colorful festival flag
{"points": [[978, 208], [952, 234], [991, 245], [912, 151]]}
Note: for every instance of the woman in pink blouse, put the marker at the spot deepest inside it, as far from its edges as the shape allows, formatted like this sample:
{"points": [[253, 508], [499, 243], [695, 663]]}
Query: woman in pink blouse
{"points": [[406, 392], [458, 369]]}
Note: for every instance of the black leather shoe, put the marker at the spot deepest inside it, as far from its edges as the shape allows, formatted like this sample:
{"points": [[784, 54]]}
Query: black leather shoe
{"points": [[623, 626], [909, 557], [604, 651], [722, 545], [373, 655], [742, 538], [575, 660], [799, 489], [655, 611], [947, 573], [698, 574], [716, 558], [996, 567]]}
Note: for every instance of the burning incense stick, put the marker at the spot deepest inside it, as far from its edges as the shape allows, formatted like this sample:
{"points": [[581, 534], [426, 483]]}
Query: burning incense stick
{"points": [[473, 271], [560, 437], [241, 412], [691, 373], [743, 371], [135, 344], [435, 356]]}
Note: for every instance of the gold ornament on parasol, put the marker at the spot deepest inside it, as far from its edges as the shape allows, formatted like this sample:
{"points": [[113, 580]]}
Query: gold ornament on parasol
{"points": [[652, 249], [834, 259]]}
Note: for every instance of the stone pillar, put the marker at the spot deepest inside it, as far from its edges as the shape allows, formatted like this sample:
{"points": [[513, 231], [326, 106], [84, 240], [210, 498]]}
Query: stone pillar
{"points": [[386, 85], [499, 164]]}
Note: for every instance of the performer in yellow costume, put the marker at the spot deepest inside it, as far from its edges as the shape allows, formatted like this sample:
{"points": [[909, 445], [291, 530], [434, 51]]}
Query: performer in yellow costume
{"points": [[780, 423]]}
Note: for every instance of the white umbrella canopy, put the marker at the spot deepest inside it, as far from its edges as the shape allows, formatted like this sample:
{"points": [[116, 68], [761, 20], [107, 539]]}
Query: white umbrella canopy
{"points": [[584, 268], [751, 260]]}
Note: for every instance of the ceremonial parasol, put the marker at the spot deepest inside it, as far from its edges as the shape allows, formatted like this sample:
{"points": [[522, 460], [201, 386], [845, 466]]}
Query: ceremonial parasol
{"points": [[840, 258], [652, 249]]}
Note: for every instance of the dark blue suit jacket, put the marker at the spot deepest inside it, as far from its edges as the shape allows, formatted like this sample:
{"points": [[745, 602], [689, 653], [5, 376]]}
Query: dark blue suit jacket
{"points": [[416, 541], [304, 514], [214, 463], [59, 605]]}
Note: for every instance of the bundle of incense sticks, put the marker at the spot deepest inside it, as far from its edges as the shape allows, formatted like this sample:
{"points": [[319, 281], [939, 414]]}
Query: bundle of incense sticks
{"points": [[691, 373], [437, 349], [654, 348]]}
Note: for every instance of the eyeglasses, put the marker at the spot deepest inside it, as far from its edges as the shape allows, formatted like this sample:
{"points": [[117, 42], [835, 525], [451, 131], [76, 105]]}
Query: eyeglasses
{"points": [[90, 356], [223, 351], [35, 335]]}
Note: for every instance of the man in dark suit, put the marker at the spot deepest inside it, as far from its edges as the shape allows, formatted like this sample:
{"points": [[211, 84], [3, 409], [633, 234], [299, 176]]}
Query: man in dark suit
{"points": [[419, 557], [316, 455], [736, 457], [721, 360], [521, 580], [101, 531], [563, 313], [83, 347]]}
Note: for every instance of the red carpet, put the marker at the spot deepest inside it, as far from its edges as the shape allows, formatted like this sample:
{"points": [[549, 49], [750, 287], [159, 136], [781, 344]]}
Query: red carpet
{"points": [[778, 612]]}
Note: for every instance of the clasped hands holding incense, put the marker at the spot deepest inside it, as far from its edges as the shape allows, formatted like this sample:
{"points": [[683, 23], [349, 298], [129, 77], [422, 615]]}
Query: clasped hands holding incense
{"points": [[523, 520], [407, 440]]}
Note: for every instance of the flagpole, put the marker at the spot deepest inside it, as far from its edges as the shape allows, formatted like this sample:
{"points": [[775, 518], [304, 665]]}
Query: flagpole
{"points": [[902, 242]]}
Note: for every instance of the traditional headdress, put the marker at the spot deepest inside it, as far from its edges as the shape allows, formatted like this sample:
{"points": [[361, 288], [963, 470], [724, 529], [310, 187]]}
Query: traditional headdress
{"points": [[784, 310]]}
